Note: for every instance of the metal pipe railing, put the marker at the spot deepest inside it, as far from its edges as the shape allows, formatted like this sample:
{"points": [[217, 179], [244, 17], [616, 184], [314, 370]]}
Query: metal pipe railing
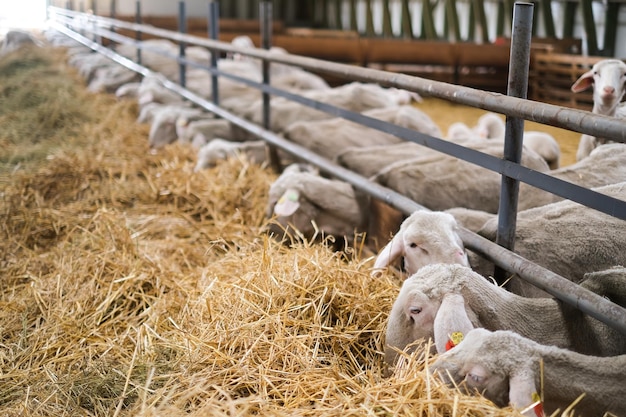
{"points": [[571, 119], [585, 300]]}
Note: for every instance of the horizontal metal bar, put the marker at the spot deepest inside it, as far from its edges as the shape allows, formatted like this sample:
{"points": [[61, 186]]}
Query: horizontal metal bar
{"points": [[598, 201], [556, 285], [572, 119]]}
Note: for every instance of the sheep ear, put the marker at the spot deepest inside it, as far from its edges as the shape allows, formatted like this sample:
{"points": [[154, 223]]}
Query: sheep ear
{"points": [[584, 82], [288, 203], [522, 392], [390, 252], [451, 322]]}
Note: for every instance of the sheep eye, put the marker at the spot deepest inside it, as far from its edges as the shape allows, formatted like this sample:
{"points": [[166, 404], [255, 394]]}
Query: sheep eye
{"points": [[475, 379], [415, 310], [413, 245]]}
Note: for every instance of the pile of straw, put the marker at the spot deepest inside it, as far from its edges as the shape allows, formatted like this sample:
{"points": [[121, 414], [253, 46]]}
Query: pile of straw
{"points": [[132, 286]]}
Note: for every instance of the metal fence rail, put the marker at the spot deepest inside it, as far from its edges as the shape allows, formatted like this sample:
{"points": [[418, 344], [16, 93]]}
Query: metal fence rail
{"points": [[572, 119]]}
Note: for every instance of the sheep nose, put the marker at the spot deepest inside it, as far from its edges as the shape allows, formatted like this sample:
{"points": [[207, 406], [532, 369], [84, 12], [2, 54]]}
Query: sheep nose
{"points": [[609, 90]]}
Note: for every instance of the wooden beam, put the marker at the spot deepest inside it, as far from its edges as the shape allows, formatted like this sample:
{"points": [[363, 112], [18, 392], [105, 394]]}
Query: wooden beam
{"points": [[479, 7], [610, 28], [590, 27], [428, 22], [407, 26], [387, 31], [369, 19], [548, 19], [452, 17], [569, 19]]}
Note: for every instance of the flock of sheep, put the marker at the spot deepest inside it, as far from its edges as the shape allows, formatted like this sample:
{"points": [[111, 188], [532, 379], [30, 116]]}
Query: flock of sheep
{"points": [[505, 332]]}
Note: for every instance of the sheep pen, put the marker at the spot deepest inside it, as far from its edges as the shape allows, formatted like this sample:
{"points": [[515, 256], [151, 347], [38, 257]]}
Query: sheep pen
{"points": [[134, 286]]}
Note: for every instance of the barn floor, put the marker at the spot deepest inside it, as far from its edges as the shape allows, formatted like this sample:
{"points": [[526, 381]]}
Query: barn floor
{"points": [[132, 286]]}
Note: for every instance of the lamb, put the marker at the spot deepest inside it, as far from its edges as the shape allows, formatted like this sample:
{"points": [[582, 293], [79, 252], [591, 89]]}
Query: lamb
{"points": [[605, 165], [510, 369], [199, 130], [608, 79], [436, 180], [151, 90], [219, 149], [332, 136], [441, 299], [15, 39], [109, 78], [424, 238], [302, 201], [354, 96], [564, 237], [163, 127], [491, 126]]}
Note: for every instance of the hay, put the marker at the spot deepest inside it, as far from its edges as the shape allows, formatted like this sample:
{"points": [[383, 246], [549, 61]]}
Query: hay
{"points": [[132, 286]]}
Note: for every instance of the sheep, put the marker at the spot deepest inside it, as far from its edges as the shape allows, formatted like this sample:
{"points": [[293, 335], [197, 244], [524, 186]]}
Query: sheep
{"points": [[472, 220], [109, 78], [128, 91], [424, 238], [441, 299], [332, 136], [353, 96], [605, 165], [163, 127], [436, 180], [199, 130], [15, 39], [509, 369], [491, 126], [314, 206], [151, 90], [564, 237], [607, 77], [218, 149]]}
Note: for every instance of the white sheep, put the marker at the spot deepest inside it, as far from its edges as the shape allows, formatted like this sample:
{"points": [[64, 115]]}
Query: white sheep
{"points": [[332, 136], [107, 79], [491, 126], [534, 379], [608, 80], [301, 201], [605, 165], [425, 237], [15, 39], [442, 299], [128, 91], [353, 96], [151, 90], [199, 130], [219, 149], [435, 180], [163, 127], [565, 237]]}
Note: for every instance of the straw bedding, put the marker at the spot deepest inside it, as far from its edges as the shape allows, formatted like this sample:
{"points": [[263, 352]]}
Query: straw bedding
{"points": [[132, 286]]}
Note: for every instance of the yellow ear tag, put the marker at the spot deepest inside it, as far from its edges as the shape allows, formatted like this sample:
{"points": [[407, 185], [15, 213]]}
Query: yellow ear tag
{"points": [[454, 339], [538, 405]]}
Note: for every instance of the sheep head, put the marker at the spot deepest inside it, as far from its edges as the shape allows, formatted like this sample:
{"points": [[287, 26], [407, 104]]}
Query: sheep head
{"points": [[424, 238], [496, 364], [608, 79], [430, 304]]}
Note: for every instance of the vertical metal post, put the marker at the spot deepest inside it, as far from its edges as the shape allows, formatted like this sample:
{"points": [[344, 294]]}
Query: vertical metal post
{"points": [[182, 28], [265, 12], [213, 27], [521, 34], [138, 32]]}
